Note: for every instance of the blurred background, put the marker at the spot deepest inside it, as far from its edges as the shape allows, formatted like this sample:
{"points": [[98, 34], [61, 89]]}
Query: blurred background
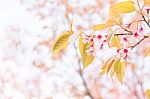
{"points": [[28, 29]]}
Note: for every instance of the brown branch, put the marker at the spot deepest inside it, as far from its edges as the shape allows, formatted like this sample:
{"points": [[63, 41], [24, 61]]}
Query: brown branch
{"points": [[81, 75], [145, 20], [122, 34], [139, 42], [139, 5], [129, 32], [136, 21], [85, 84]]}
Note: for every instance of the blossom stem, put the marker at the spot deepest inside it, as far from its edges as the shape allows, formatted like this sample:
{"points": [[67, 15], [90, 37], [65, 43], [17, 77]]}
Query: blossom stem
{"points": [[132, 47], [82, 77]]}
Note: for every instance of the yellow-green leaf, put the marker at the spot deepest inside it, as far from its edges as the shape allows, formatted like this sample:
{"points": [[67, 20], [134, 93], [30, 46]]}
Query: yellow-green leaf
{"points": [[120, 75], [147, 93], [121, 7], [86, 59], [115, 42], [120, 21], [147, 2], [147, 34], [99, 27], [112, 72], [110, 65], [113, 13], [147, 51], [61, 43], [111, 22], [105, 66], [117, 66]]}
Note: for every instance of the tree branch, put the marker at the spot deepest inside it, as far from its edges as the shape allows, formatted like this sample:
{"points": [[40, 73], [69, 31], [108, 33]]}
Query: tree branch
{"points": [[144, 19], [129, 32], [122, 34], [139, 42], [81, 75]]}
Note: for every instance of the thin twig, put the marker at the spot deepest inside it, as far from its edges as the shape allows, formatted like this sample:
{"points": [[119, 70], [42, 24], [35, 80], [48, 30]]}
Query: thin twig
{"points": [[139, 5], [144, 19], [139, 42], [147, 22], [122, 34], [81, 75], [136, 21], [129, 32]]}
